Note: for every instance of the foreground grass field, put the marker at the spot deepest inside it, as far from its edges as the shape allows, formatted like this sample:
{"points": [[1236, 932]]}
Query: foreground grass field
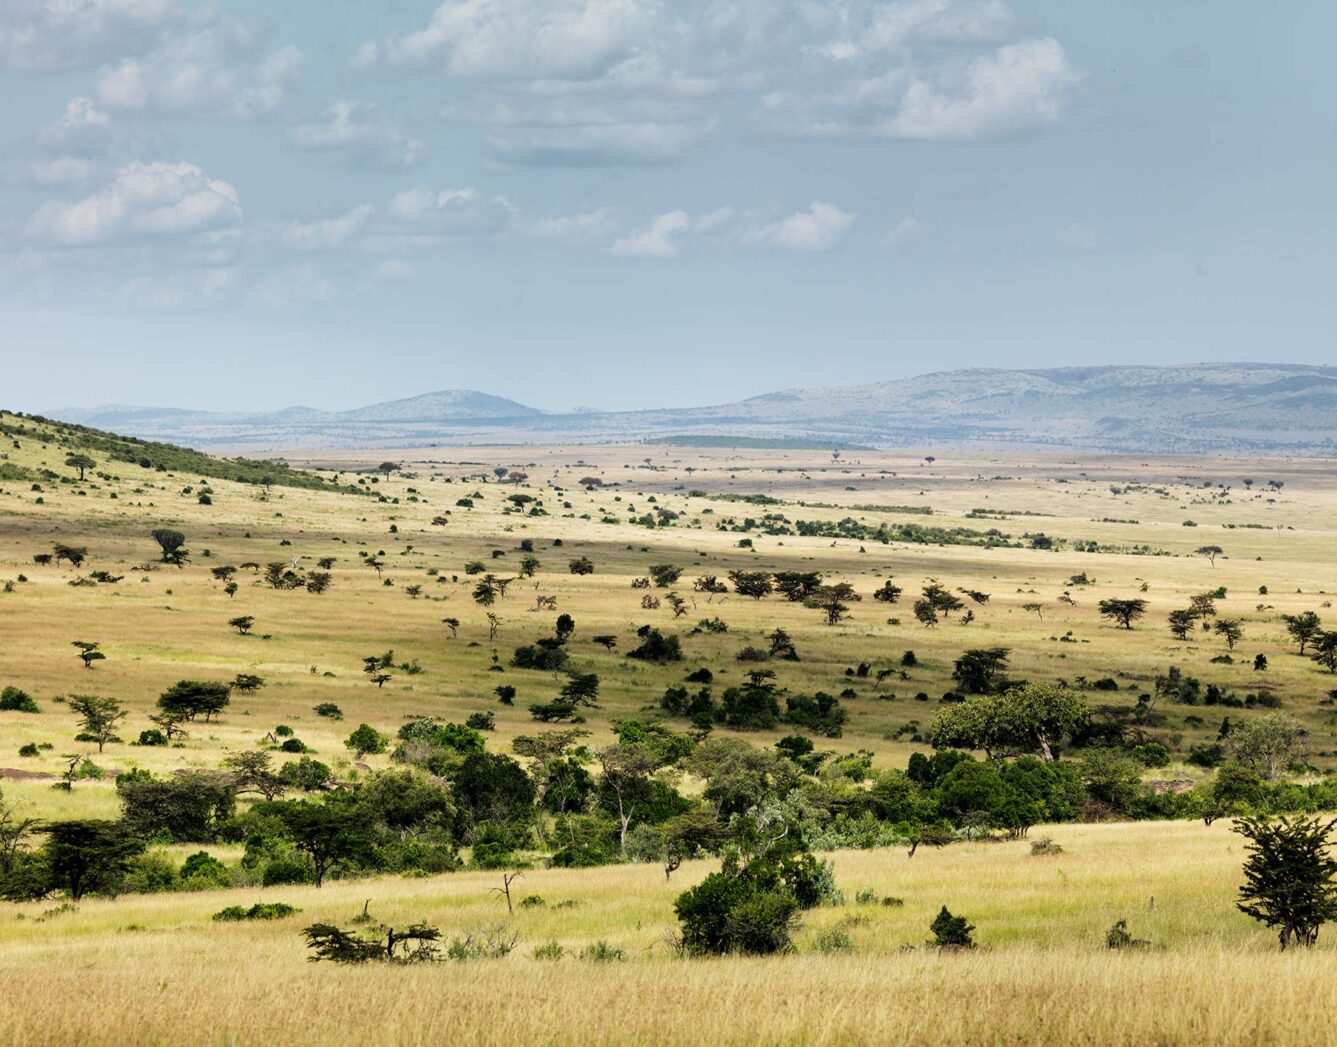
{"points": [[143, 969]]}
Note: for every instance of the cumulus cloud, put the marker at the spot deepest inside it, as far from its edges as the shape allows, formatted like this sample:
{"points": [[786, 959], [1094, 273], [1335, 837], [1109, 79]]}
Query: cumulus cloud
{"points": [[144, 200], [219, 70], [353, 132], [528, 39], [1018, 87], [661, 238], [327, 233], [641, 81], [820, 228], [65, 34], [905, 234], [585, 227], [59, 170]]}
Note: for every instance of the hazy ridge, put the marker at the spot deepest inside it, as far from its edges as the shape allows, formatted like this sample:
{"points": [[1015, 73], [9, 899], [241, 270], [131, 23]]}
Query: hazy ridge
{"points": [[1262, 408]]}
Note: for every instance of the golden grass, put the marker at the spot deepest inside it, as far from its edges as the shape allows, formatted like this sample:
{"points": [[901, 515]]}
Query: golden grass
{"points": [[149, 969]]}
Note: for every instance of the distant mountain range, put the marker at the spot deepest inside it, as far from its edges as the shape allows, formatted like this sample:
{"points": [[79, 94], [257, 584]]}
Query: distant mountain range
{"points": [[1195, 408]]}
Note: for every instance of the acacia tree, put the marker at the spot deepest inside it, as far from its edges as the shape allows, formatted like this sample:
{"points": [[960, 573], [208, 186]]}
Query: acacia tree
{"points": [[98, 717], [1230, 630], [88, 855], [1181, 622], [755, 584], [170, 542], [1211, 552], [627, 768], [833, 601], [545, 752], [88, 652], [1303, 627], [1032, 718], [1269, 744], [1288, 877], [81, 462], [1325, 650], [1125, 612], [187, 699]]}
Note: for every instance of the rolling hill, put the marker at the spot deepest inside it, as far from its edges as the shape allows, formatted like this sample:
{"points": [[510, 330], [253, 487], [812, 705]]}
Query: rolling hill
{"points": [[1195, 408]]}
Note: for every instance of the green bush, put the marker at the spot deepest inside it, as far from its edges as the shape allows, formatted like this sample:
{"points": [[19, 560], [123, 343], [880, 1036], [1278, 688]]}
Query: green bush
{"points": [[259, 911], [602, 952], [951, 931], [14, 700]]}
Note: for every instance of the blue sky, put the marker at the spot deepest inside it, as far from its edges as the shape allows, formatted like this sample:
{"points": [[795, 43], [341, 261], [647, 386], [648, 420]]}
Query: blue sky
{"points": [[639, 203]]}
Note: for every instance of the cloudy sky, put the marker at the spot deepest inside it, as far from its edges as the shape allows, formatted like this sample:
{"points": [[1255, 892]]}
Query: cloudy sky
{"points": [[635, 203]]}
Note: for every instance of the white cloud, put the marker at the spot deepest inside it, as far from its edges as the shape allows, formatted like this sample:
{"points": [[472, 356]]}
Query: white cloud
{"points": [[82, 112], [522, 39], [63, 34], [593, 144], [453, 212], [941, 22], [60, 170], [216, 71], [144, 200], [660, 239], [1018, 87], [326, 233], [904, 234], [820, 228], [586, 227], [352, 132], [642, 81]]}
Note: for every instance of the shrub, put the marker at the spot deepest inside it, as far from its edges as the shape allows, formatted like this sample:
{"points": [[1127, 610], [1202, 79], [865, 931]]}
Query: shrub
{"points": [[329, 710], [152, 737], [259, 911], [550, 951], [834, 939], [366, 740], [951, 931], [602, 952], [14, 700]]}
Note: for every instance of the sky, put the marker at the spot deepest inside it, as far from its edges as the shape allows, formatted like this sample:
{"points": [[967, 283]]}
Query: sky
{"points": [[619, 204]]}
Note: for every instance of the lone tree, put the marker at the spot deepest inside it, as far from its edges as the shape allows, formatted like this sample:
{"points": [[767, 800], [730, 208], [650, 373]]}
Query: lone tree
{"points": [[242, 623], [80, 462], [1230, 630], [188, 699], [1288, 877], [170, 542], [1032, 718], [1125, 612], [1303, 627], [88, 855], [1181, 623], [1211, 552], [98, 717], [88, 652], [833, 601], [1269, 745]]}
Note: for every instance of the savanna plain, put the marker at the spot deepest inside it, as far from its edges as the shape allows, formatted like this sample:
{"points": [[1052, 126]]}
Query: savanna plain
{"points": [[526, 634]]}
